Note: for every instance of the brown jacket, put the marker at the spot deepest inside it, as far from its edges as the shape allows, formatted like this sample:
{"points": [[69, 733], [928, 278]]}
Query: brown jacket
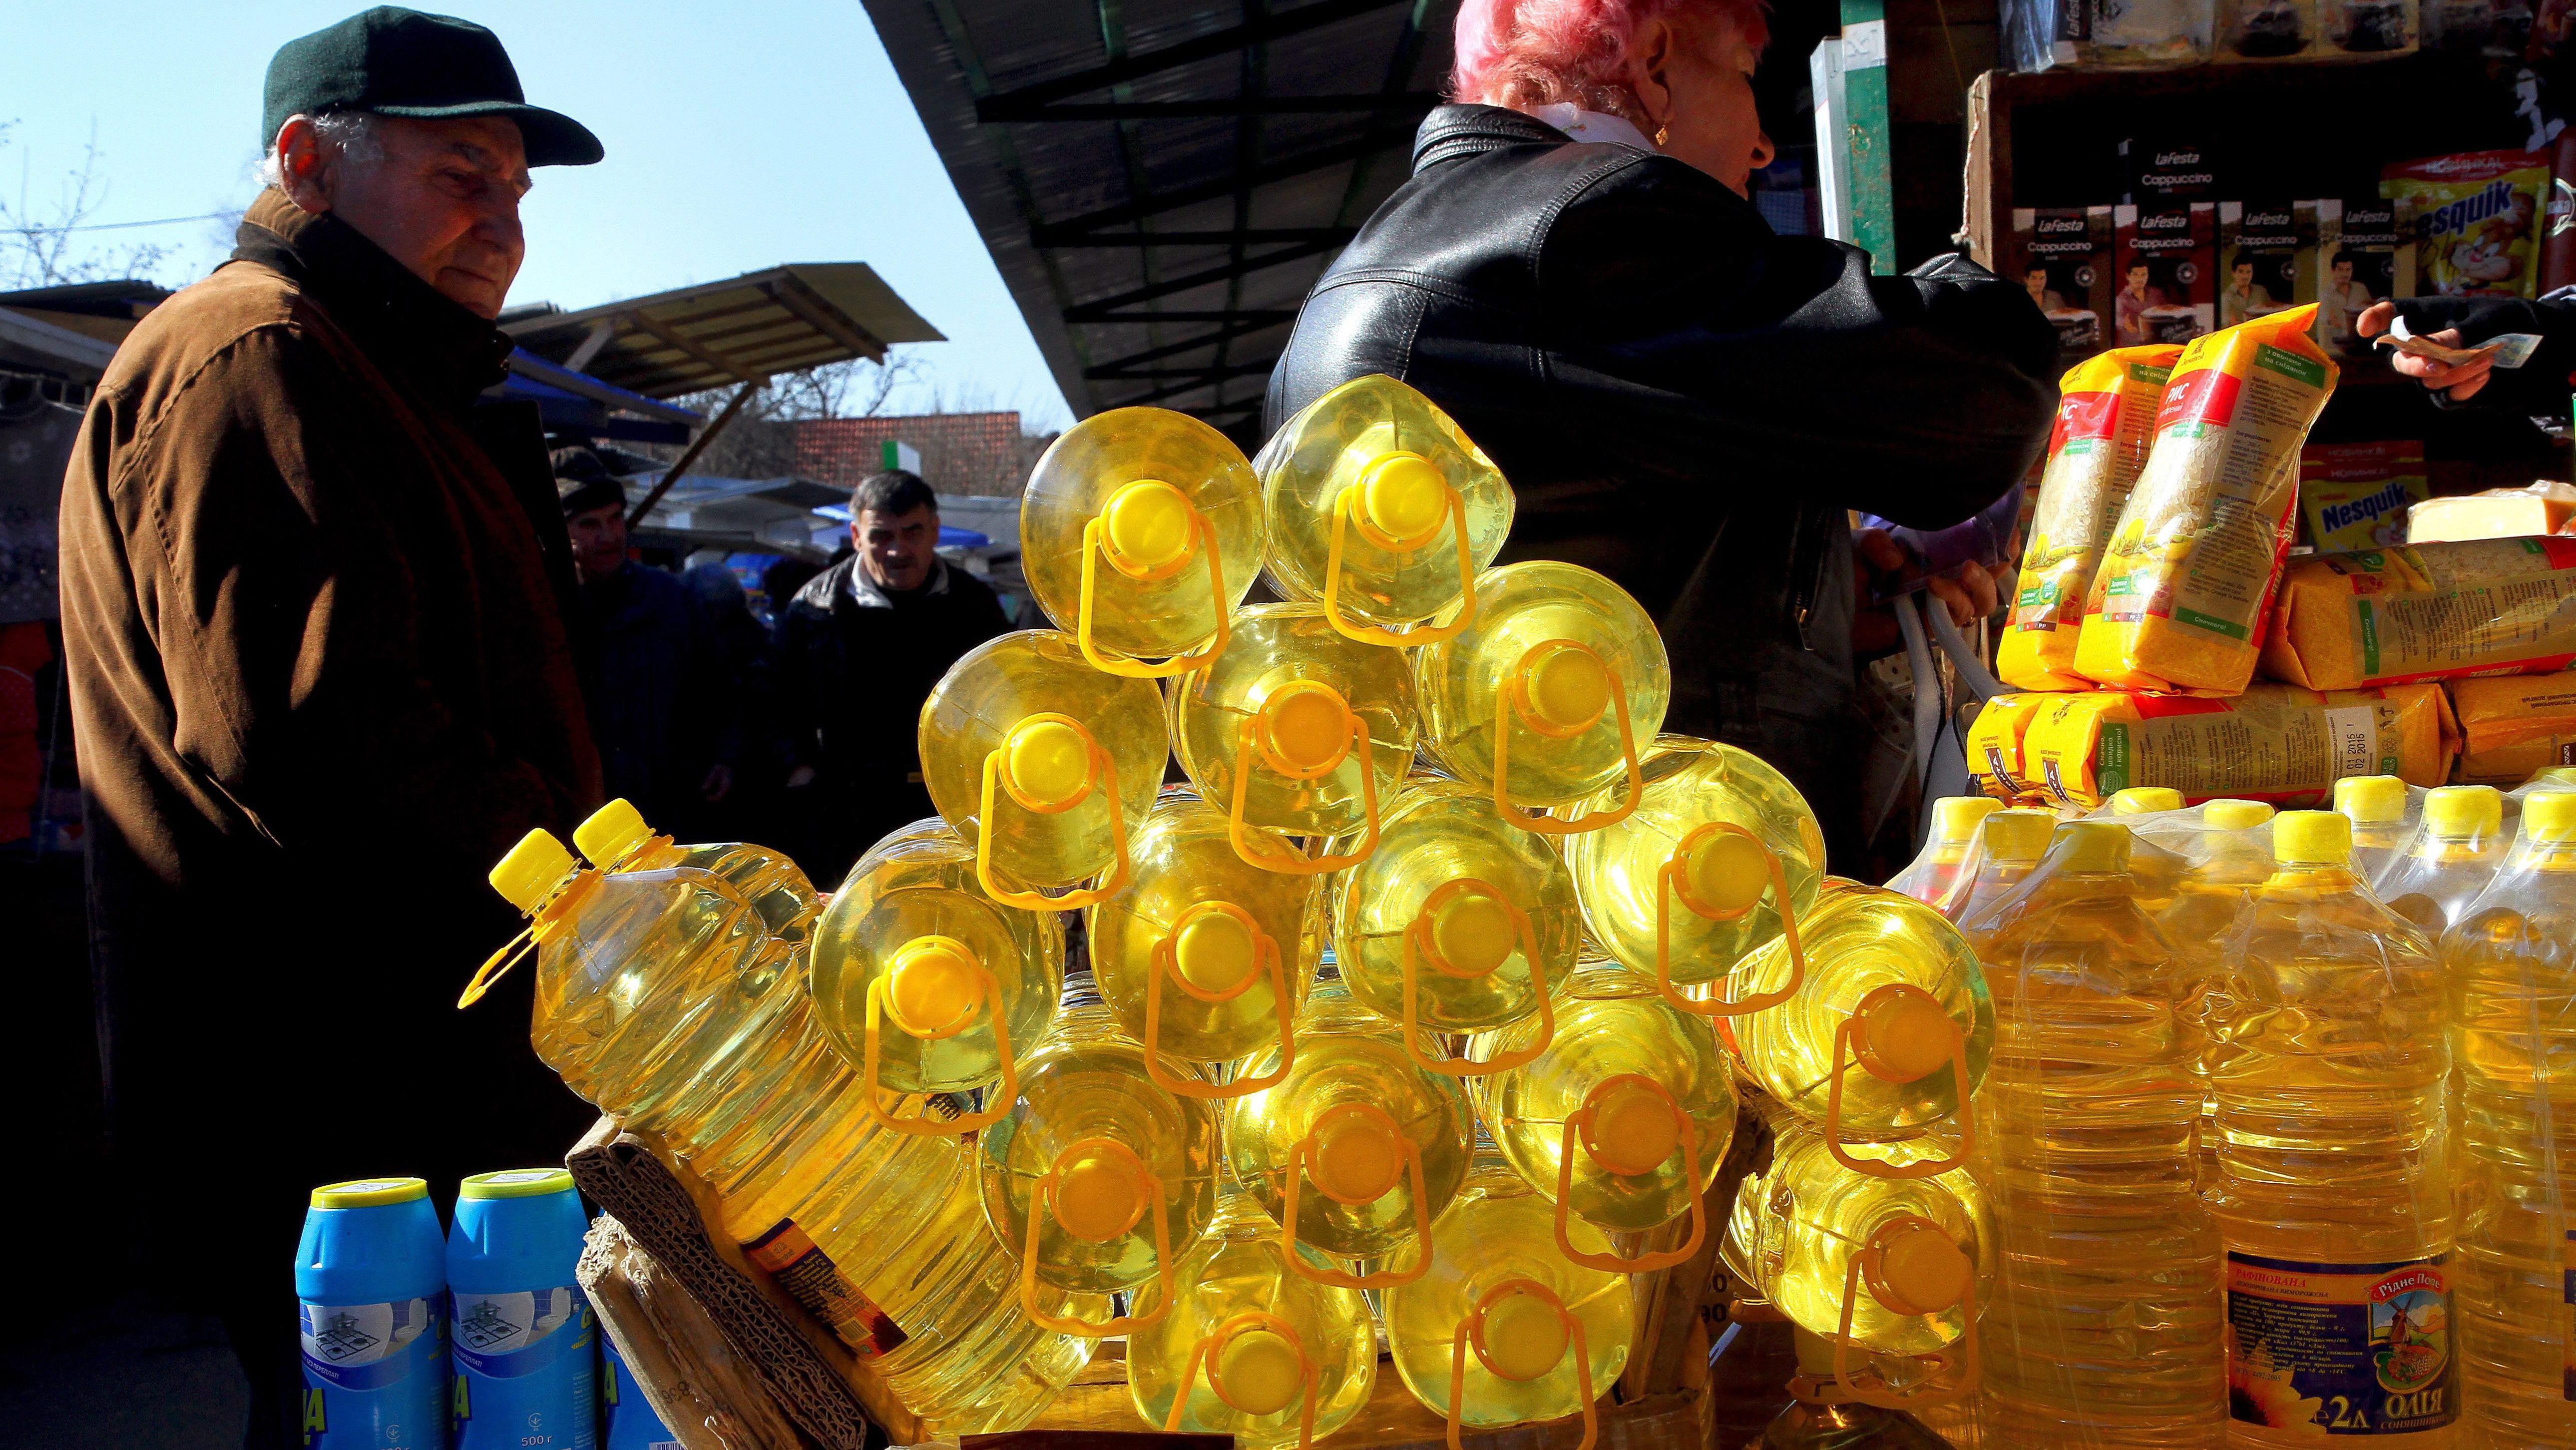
{"points": [[319, 683]]}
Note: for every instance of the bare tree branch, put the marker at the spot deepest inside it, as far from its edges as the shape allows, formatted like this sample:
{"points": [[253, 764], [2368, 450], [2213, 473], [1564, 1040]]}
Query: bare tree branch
{"points": [[37, 238]]}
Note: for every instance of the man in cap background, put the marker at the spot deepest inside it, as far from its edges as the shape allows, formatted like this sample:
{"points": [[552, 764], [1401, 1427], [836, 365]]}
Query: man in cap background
{"points": [[313, 606]]}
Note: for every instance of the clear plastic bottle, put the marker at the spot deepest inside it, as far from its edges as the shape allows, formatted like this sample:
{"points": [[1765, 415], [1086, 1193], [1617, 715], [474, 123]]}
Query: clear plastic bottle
{"points": [[2225, 855], [1459, 922], [1172, 508], [2334, 1194], [1933, 871], [2511, 962], [1543, 698], [2452, 858], [615, 838], [1812, 1423], [1381, 510], [1249, 1349], [1295, 730], [2008, 847], [1044, 764], [2376, 805], [2104, 1323]]}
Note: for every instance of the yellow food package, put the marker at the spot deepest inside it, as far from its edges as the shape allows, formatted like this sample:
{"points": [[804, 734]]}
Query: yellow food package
{"points": [[2276, 743], [2180, 600], [2357, 495], [1995, 746], [2427, 612], [2514, 727], [2106, 411]]}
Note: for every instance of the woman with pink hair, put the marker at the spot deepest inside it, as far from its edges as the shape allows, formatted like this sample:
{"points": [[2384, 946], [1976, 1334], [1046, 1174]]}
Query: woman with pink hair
{"points": [[1681, 399]]}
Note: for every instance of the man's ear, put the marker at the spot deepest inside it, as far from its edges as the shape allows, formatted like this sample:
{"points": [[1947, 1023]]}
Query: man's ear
{"points": [[302, 172]]}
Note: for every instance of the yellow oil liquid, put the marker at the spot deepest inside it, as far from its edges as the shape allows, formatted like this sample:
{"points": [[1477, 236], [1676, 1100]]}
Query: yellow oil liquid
{"points": [[1929, 877], [912, 917], [1162, 486], [2104, 1324], [1234, 1271], [1184, 863], [2512, 968], [1437, 832], [2222, 858], [1800, 1226], [616, 838], [1690, 784], [1392, 461], [2462, 844], [1546, 643], [1859, 940], [1631, 1164], [1348, 1055], [2007, 848], [981, 709], [1252, 690], [2331, 1066], [1499, 1230]]}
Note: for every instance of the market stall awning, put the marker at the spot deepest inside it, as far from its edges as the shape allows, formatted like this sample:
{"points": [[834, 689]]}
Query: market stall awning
{"points": [[1160, 181], [724, 334]]}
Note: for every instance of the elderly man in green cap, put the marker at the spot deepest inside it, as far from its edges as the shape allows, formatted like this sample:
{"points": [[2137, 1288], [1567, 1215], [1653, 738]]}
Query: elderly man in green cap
{"points": [[313, 618]]}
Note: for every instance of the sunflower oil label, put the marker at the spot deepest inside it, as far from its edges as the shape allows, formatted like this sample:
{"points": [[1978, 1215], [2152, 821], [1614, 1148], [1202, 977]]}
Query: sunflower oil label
{"points": [[2341, 1349], [799, 1265], [375, 1375]]}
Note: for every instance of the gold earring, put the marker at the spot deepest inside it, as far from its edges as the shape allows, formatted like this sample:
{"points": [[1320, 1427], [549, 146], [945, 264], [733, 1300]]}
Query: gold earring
{"points": [[1662, 133]]}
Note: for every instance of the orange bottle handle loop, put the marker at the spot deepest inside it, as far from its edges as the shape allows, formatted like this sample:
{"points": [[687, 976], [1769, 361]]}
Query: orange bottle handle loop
{"points": [[1102, 782], [1471, 1334], [1843, 1062], [1510, 701], [1582, 1118], [1005, 1093], [1417, 943], [1094, 544], [1279, 857], [1960, 1360], [1670, 882], [1384, 1278], [1420, 633], [1211, 1349], [1041, 1202], [545, 924], [1159, 964]]}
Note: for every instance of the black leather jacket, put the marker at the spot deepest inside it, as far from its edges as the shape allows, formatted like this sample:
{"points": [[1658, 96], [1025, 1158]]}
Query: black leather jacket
{"points": [[1686, 402]]}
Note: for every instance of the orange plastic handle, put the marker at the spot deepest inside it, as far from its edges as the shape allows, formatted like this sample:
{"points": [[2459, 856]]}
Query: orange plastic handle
{"points": [[1041, 1202], [1645, 1263], [1210, 1349], [1668, 884], [1280, 858], [1104, 784], [1003, 1097], [1962, 1361], [1420, 633], [1092, 547], [1471, 1331], [1384, 1278], [1930, 1167], [548, 923], [1507, 704], [1416, 943], [1159, 964]]}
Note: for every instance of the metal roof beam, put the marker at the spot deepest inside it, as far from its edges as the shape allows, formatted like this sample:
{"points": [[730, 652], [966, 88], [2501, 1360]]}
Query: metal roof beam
{"points": [[1225, 333], [1206, 47], [1214, 371], [1094, 311], [1174, 390], [1250, 237], [823, 317], [1264, 316], [1055, 234], [673, 337], [1405, 103]]}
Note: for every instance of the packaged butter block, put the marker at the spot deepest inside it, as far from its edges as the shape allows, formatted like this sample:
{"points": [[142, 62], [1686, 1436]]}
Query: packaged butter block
{"points": [[2426, 612], [2106, 410], [1995, 746], [2356, 495], [2543, 507], [2185, 589], [2514, 727], [2276, 743]]}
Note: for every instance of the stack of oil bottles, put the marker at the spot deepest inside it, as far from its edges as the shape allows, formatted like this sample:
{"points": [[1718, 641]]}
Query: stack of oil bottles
{"points": [[1425, 1003]]}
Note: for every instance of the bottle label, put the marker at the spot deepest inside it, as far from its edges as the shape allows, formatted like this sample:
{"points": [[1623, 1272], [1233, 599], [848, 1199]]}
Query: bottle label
{"points": [[375, 1375], [505, 1336], [809, 1276], [2346, 1349]]}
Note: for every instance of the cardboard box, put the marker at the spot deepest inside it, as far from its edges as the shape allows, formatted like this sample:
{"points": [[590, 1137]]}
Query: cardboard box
{"points": [[2063, 255], [2355, 496], [2365, 254], [2266, 257]]}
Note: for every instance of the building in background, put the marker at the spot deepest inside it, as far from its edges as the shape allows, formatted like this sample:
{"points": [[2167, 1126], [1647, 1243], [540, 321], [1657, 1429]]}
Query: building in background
{"points": [[959, 454]]}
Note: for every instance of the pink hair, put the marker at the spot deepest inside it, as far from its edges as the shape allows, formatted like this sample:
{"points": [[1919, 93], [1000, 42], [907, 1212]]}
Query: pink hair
{"points": [[1537, 52]]}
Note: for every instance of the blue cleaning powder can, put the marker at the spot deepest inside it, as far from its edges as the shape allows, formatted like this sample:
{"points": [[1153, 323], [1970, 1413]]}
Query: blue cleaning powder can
{"points": [[632, 1425], [370, 1274], [526, 1345]]}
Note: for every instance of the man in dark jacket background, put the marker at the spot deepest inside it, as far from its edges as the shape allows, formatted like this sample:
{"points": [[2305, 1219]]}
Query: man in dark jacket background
{"points": [[854, 655]]}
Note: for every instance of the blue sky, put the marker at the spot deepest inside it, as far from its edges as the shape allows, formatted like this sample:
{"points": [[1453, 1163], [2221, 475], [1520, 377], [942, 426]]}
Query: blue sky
{"points": [[738, 137]]}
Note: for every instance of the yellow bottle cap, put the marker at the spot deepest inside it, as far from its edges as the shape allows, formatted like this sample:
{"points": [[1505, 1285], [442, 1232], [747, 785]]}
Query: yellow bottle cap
{"points": [[1727, 872], [2563, 775], [532, 870], [2371, 798], [2234, 815], [1213, 951], [1149, 524], [1567, 686], [370, 1192], [932, 984], [1921, 1272], [613, 830], [1403, 495], [1097, 1198], [2097, 846], [1473, 932], [516, 1183], [1955, 817], [2464, 810], [1358, 1156], [2311, 837], [1049, 760], [2019, 835], [1306, 724], [2550, 816], [2137, 800], [1524, 1336], [1633, 1130], [1259, 1368]]}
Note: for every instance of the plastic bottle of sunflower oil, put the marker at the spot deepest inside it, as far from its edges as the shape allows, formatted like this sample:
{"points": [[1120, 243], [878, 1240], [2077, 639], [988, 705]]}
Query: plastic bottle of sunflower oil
{"points": [[2224, 855], [2511, 962], [2103, 1326], [2008, 847], [1173, 511], [1381, 511], [2380, 808], [1935, 869], [615, 838], [1620, 1119], [2454, 855], [1247, 1348], [1695, 877], [1545, 697], [1295, 731], [2334, 1195], [1044, 764], [1355, 1149], [1459, 922]]}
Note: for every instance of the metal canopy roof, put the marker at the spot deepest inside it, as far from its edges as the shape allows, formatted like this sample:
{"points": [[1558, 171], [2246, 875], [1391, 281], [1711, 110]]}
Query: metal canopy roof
{"points": [[720, 334], [1160, 181]]}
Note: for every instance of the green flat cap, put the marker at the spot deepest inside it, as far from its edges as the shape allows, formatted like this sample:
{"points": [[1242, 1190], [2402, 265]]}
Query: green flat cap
{"points": [[397, 62]]}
